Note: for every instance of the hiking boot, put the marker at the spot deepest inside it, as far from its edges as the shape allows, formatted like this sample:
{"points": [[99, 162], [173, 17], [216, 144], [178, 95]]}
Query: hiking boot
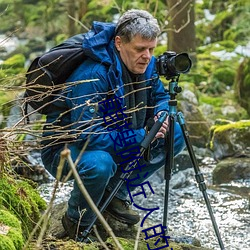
{"points": [[121, 211], [75, 231]]}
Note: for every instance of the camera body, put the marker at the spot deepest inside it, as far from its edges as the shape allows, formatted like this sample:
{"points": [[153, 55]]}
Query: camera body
{"points": [[171, 65]]}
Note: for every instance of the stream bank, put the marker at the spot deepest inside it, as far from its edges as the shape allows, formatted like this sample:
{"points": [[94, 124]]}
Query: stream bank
{"points": [[188, 217]]}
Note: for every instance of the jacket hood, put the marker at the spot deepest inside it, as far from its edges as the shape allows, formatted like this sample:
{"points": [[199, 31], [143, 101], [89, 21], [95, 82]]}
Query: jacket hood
{"points": [[98, 43]]}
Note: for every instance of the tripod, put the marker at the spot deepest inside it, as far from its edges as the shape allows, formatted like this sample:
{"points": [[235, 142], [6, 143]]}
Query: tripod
{"points": [[173, 114], [124, 176], [173, 90]]}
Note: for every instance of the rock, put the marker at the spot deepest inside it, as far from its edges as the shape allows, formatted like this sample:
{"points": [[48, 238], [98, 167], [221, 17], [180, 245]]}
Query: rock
{"points": [[232, 139], [190, 96], [181, 179], [231, 169], [197, 125]]}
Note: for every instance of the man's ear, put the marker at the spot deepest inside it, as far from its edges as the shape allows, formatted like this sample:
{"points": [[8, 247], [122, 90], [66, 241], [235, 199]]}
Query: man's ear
{"points": [[118, 43]]}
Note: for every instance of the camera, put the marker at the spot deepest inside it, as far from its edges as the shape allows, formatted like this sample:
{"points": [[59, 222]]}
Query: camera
{"points": [[171, 65]]}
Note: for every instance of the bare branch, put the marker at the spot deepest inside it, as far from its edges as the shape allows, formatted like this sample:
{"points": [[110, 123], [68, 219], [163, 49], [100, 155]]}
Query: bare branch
{"points": [[66, 154]]}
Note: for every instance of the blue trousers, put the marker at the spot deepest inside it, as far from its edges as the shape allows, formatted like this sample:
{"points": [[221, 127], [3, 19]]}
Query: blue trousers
{"points": [[100, 171]]}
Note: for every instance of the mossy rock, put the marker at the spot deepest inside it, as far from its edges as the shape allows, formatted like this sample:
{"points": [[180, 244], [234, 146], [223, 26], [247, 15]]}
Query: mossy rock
{"points": [[232, 139], [22, 200], [11, 237]]}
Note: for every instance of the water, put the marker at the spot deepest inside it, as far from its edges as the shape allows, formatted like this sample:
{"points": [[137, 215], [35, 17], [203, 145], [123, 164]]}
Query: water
{"points": [[187, 211]]}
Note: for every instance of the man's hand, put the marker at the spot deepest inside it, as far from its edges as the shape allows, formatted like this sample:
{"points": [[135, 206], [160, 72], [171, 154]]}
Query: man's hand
{"points": [[164, 128]]}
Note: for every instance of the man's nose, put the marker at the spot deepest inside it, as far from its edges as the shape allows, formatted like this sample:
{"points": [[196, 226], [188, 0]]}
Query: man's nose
{"points": [[146, 54]]}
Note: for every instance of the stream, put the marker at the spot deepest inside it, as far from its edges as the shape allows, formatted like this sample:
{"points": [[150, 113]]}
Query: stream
{"points": [[188, 216]]}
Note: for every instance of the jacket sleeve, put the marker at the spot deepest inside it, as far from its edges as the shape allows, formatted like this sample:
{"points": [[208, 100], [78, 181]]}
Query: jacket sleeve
{"points": [[87, 122]]}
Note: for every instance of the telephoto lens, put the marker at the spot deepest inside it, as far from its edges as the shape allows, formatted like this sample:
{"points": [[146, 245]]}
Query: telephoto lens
{"points": [[170, 64]]}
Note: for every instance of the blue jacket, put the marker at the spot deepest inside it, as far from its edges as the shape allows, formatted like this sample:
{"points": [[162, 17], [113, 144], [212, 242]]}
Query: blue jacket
{"points": [[84, 120]]}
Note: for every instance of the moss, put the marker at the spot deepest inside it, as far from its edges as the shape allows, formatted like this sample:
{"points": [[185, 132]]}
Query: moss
{"points": [[21, 199], [220, 131], [16, 237], [9, 219], [13, 239], [235, 125], [6, 243]]}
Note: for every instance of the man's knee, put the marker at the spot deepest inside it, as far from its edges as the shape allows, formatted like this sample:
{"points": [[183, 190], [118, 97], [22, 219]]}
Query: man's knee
{"points": [[97, 164]]}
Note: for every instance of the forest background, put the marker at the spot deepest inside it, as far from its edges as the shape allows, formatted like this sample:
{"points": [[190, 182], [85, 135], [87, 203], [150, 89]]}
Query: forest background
{"points": [[214, 33]]}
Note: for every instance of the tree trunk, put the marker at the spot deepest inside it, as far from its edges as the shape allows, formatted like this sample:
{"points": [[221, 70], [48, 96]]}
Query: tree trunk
{"points": [[71, 6], [181, 27], [83, 7]]}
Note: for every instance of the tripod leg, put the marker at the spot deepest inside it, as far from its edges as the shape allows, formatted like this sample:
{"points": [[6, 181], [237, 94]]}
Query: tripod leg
{"points": [[144, 145], [199, 176], [168, 167]]}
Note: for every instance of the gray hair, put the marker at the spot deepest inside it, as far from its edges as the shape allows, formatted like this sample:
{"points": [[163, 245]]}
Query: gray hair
{"points": [[137, 22]]}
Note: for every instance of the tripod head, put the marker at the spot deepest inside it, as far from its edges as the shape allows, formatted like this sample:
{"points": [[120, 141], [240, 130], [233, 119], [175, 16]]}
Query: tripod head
{"points": [[174, 89]]}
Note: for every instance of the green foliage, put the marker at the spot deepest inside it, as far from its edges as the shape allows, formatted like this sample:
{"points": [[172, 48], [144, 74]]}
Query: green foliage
{"points": [[216, 67], [242, 84], [214, 101], [12, 67], [219, 102], [160, 49], [22, 200], [221, 23], [17, 61], [229, 23], [60, 38], [224, 75]]}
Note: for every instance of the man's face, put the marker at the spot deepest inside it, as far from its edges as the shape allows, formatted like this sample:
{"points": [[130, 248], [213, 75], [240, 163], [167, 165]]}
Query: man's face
{"points": [[137, 53]]}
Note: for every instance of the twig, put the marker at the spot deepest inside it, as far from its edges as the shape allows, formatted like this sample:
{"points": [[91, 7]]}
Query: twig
{"points": [[137, 237], [66, 154], [99, 238], [77, 21]]}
